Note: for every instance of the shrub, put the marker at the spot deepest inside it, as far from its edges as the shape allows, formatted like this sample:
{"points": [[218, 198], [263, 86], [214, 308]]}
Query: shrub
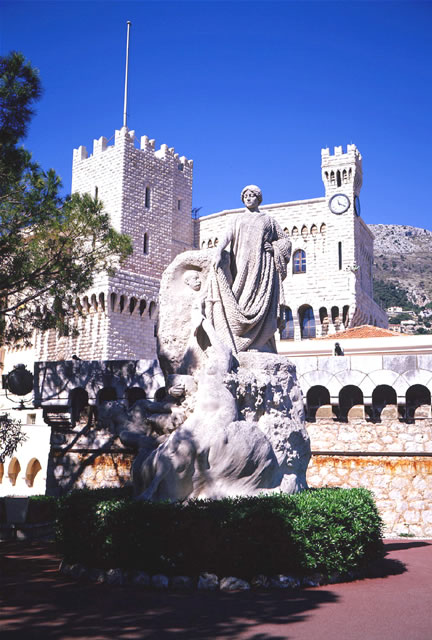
{"points": [[325, 530], [40, 509]]}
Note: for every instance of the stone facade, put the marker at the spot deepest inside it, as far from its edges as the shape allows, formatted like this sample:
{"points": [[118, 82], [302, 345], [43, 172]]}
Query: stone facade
{"points": [[148, 195], [329, 285], [391, 458]]}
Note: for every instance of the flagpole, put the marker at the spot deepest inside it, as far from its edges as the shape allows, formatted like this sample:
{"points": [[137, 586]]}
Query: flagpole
{"points": [[126, 75]]}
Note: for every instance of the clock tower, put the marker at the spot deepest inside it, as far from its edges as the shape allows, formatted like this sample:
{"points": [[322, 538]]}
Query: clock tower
{"points": [[342, 175]]}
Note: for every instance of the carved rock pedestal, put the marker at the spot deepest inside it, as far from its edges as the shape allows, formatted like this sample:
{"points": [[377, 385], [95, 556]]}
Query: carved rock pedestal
{"points": [[268, 394]]}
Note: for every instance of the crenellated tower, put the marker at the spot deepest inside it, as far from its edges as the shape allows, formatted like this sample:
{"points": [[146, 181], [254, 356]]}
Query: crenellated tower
{"points": [[148, 195]]}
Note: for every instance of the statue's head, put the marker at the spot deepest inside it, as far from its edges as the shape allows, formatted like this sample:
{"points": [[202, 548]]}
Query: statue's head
{"points": [[251, 196], [192, 279]]}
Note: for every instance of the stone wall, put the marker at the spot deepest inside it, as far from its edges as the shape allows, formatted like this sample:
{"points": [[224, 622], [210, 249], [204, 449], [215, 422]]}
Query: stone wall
{"points": [[148, 195], [391, 458]]}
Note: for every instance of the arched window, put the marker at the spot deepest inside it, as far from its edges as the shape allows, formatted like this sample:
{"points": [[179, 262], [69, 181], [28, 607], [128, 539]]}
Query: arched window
{"points": [[335, 316], [113, 298], [133, 394], [316, 397], [299, 261], [332, 178], [152, 309], [210, 244], [132, 304], [142, 306], [33, 468], [287, 324], [323, 314], [416, 396], [160, 394], [345, 315], [122, 303], [307, 322], [314, 230], [13, 471], [304, 232], [349, 397], [338, 178], [294, 232], [94, 302], [382, 396], [102, 301], [344, 176], [323, 229]]}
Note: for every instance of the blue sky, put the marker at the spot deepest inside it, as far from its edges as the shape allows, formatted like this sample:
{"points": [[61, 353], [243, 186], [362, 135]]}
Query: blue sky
{"points": [[250, 90]]}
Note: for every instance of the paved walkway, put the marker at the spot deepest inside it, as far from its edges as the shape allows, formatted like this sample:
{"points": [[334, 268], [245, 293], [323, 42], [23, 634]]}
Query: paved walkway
{"points": [[37, 602]]}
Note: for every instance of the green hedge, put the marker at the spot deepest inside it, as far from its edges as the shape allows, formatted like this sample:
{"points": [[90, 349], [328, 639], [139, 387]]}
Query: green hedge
{"points": [[320, 530], [40, 509]]}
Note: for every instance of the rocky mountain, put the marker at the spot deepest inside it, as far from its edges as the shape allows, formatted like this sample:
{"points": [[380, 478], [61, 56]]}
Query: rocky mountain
{"points": [[403, 262]]}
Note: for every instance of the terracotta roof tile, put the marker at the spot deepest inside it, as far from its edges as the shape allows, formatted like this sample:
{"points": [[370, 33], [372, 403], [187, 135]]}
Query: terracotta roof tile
{"points": [[364, 331]]}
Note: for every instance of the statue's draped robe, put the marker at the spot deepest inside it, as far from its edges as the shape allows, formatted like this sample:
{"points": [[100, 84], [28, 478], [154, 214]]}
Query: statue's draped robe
{"points": [[243, 297]]}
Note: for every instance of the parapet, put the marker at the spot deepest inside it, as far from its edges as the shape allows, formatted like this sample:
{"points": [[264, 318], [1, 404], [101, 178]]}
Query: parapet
{"points": [[124, 136], [338, 151]]}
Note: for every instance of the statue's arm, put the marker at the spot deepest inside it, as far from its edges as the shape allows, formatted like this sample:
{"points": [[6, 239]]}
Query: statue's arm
{"points": [[223, 243], [282, 250]]}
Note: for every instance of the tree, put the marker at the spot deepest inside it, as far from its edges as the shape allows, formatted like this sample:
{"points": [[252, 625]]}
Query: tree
{"points": [[11, 436], [51, 247]]}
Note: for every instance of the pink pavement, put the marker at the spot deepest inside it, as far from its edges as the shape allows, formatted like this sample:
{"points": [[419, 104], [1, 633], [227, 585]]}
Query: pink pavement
{"points": [[38, 602]]}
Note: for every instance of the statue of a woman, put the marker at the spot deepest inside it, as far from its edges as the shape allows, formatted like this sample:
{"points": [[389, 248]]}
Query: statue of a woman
{"points": [[245, 292]]}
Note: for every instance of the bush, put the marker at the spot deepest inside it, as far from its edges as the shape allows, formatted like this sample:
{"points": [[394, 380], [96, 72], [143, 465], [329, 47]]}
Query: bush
{"points": [[40, 509], [324, 530]]}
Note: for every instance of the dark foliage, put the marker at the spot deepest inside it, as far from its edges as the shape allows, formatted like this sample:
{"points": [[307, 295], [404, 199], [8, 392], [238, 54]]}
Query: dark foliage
{"points": [[40, 509], [388, 294], [51, 248], [325, 530], [11, 436]]}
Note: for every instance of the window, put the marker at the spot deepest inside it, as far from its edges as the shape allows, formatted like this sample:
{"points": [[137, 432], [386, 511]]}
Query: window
{"points": [[31, 418], [349, 397], [179, 205], [340, 255], [96, 192], [299, 262], [145, 244], [286, 330], [147, 198], [307, 322]]}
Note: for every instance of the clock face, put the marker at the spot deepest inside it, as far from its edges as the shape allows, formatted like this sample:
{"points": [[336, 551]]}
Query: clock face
{"points": [[339, 203], [357, 205]]}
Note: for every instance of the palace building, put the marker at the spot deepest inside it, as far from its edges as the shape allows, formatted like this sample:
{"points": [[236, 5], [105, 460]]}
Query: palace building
{"points": [[148, 194]]}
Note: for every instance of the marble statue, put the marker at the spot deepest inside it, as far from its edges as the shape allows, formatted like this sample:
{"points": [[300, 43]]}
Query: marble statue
{"points": [[244, 297], [235, 422], [213, 454]]}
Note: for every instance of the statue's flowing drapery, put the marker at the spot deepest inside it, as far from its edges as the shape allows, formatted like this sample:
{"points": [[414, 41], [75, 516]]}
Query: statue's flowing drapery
{"points": [[243, 297]]}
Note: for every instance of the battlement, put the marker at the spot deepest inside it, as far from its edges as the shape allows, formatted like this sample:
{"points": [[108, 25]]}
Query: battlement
{"points": [[123, 137], [351, 151]]}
